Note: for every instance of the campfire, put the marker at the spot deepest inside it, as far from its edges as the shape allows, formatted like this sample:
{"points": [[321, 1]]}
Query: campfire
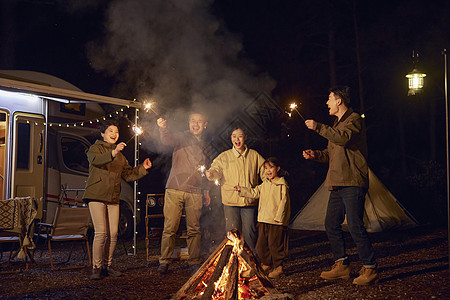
{"points": [[230, 272]]}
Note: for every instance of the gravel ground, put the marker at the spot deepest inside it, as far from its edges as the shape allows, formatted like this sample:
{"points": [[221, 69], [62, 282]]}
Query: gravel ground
{"points": [[413, 264]]}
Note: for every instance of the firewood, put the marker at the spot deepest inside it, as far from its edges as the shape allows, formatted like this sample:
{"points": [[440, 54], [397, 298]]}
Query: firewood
{"points": [[231, 288], [223, 260]]}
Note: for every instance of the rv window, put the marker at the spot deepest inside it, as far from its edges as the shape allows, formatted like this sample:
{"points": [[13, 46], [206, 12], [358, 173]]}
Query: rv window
{"points": [[23, 146], [74, 154]]}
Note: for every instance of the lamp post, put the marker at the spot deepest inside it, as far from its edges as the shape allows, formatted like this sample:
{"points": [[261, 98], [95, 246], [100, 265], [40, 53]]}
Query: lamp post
{"points": [[444, 53], [415, 84]]}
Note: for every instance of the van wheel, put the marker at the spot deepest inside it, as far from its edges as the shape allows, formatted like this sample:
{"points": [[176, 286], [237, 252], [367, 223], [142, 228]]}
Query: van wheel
{"points": [[126, 224]]}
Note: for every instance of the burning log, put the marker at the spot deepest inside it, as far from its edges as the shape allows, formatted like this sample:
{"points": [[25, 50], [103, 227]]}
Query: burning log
{"points": [[221, 275], [218, 270], [231, 288]]}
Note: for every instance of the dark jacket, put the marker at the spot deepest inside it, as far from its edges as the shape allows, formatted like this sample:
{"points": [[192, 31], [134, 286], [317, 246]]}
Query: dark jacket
{"points": [[346, 152], [189, 154], [106, 172]]}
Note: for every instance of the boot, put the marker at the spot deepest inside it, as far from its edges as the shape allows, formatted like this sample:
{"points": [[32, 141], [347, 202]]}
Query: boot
{"points": [[338, 270], [265, 268], [113, 273], [248, 273], [95, 274], [163, 268], [366, 276], [277, 272]]}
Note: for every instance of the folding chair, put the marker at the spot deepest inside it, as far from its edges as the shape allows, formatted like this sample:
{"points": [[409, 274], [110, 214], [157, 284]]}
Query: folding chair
{"points": [[12, 239], [16, 224], [70, 225]]}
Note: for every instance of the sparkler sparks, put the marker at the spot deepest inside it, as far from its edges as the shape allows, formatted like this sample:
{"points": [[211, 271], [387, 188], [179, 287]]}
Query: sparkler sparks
{"points": [[216, 182], [137, 131], [202, 169], [149, 106], [293, 107]]}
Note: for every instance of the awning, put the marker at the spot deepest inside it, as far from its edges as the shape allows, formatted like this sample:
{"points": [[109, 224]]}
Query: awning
{"points": [[63, 95]]}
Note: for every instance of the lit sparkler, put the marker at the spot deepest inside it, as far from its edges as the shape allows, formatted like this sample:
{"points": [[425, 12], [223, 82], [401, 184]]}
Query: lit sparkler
{"points": [[137, 131], [293, 107], [202, 169], [216, 182], [149, 106]]}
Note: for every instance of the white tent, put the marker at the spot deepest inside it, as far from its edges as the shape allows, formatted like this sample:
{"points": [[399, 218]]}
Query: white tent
{"points": [[382, 210]]}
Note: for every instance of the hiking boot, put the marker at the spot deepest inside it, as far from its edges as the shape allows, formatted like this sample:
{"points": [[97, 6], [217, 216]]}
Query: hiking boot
{"points": [[95, 274], [338, 271], [248, 273], [162, 269], [265, 268], [111, 272], [276, 273], [366, 276]]}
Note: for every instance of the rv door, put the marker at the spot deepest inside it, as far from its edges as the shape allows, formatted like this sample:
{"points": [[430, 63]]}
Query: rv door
{"points": [[28, 157]]}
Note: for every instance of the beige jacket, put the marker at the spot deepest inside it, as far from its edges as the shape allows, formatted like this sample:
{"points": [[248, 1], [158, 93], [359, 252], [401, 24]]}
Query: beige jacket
{"points": [[274, 202], [231, 168]]}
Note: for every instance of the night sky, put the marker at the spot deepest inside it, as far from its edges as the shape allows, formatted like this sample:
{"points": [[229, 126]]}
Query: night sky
{"points": [[291, 49]]}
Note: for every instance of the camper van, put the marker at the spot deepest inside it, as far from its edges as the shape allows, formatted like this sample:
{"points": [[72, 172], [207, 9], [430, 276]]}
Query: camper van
{"points": [[40, 155]]}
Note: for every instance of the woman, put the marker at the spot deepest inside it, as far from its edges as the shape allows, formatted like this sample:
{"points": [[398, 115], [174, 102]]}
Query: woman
{"points": [[107, 166], [238, 166]]}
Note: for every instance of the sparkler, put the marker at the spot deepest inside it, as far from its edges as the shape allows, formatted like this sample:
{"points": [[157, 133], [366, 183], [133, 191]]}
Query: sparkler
{"points": [[293, 106], [149, 106], [216, 182], [202, 169], [137, 131]]}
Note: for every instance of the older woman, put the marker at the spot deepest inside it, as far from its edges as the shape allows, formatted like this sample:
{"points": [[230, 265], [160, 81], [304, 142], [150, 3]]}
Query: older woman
{"points": [[107, 167]]}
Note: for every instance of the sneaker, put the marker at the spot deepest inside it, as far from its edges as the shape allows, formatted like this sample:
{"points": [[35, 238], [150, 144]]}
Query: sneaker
{"points": [[276, 273], [366, 276], [162, 269], [113, 273], [338, 271], [95, 274]]}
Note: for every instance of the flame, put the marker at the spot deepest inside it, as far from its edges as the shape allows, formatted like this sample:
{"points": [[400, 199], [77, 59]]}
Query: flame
{"points": [[293, 106], [247, 288]]}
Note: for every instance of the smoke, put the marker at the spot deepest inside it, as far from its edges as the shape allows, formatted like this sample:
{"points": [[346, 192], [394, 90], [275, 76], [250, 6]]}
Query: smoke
{"points": [[178, 55]]}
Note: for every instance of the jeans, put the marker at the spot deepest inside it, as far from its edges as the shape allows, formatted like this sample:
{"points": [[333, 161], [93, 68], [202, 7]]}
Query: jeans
{"points": [[173, 205], [242, 218], [105, 218], [348, 201]]}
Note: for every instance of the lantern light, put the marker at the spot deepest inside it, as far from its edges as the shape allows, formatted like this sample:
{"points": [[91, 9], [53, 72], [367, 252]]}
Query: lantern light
{"points": [[415, 77], [415, 81]]}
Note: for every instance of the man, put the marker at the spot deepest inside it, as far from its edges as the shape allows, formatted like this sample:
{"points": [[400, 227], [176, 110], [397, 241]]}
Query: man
{"points": [[184, 187], [347, 178]]}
